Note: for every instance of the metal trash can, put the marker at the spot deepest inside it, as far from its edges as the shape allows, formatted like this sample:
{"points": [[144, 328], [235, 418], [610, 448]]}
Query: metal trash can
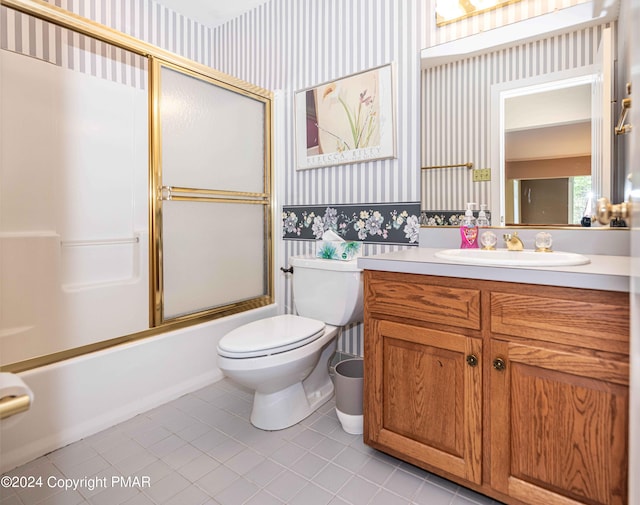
{"points": [[349, 378]]}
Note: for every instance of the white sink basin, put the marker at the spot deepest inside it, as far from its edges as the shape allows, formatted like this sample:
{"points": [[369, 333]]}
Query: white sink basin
{"points": [[504, 257]]}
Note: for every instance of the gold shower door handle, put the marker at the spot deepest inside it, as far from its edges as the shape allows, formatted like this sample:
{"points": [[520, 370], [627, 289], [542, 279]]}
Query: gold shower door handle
{"points": [[12, 405]]}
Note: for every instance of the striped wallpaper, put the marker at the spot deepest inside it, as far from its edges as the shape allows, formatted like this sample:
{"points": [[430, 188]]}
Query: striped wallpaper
{"points": [[38, 39], [456, 110], [144, 19], [290, 45], [294, 44], [282, 45]]}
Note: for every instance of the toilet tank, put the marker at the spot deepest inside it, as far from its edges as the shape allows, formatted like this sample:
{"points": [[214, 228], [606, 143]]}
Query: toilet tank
{"points": [[327, 290]]}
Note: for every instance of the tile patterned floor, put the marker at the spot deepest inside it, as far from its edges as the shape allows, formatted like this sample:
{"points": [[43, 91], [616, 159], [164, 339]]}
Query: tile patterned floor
{"points": [[202, 450]]}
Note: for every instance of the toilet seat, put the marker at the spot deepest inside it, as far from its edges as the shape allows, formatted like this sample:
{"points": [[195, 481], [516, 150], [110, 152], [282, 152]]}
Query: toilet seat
{"points": [[269, 336]]}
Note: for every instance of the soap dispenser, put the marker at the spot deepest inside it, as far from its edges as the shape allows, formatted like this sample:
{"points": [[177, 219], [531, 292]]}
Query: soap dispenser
{"points": [[482, 221], [469, 230]]}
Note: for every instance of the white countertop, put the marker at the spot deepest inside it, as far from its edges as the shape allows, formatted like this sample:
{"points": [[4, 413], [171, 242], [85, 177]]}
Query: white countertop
{"points": [[610, 273]]}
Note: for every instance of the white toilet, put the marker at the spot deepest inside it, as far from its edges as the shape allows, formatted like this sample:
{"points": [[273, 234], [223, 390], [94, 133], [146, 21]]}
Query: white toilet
{"points": [[284, 359]]}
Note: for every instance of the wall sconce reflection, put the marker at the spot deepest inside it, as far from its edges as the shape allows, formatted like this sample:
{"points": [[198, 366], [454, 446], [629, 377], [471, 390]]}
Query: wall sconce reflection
{"points": [[449, 11]]}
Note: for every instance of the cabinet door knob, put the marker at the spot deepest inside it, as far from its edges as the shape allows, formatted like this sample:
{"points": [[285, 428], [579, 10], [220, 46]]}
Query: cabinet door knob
{"points": [[472, 360], [499, 364]]}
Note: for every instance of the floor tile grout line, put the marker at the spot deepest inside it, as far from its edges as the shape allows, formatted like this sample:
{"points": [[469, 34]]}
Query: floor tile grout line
{"points": [[167, 436]]}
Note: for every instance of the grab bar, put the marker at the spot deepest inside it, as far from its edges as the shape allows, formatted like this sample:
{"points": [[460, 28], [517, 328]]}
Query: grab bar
{"points": [[12, 405], [105, 241]]}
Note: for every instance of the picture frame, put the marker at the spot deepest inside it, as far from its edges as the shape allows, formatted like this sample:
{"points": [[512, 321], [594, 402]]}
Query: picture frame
{"points": [[347, 120]]}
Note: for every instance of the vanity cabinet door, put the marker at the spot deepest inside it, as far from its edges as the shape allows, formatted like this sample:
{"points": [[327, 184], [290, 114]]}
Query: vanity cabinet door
{"points": [[559, 423], [423, 396]]}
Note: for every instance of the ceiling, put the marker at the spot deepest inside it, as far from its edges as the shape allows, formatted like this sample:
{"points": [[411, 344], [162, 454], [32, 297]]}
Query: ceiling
{"points": [[211, 12]]}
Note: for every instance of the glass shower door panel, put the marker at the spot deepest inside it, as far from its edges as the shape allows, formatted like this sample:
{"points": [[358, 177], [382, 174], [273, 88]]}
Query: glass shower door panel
{"points": [[213, 164], [213, 255], [211, 137]]}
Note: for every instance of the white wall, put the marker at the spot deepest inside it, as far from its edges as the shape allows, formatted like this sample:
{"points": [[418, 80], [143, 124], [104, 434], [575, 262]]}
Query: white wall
{"points": [[73, 201]]}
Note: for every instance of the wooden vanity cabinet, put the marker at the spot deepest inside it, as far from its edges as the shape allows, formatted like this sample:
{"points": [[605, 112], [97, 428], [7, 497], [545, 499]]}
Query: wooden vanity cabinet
{"points": [[517, 391], [558, 409], [423, 400]]}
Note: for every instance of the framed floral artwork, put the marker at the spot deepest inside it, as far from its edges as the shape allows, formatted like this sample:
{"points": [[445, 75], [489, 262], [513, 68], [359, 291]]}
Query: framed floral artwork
{"points": [[348, 120]]}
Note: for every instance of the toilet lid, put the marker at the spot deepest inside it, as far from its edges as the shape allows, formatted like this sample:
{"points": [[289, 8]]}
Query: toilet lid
{"points": [[270, 336]]}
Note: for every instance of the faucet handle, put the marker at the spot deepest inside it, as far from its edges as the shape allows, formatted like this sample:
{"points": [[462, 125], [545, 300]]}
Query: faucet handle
{"points": [[488, 240], [543, 242]]}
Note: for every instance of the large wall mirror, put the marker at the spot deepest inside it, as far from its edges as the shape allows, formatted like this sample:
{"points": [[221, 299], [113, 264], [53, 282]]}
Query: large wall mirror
{"points": [[538, 112]]}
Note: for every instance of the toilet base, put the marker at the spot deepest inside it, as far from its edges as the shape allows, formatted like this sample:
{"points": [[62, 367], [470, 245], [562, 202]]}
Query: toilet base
{"points": [[281, 409]]}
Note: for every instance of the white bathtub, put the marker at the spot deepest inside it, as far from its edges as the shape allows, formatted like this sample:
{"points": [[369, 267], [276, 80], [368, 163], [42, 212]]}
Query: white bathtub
{"points": [[84, 395]]}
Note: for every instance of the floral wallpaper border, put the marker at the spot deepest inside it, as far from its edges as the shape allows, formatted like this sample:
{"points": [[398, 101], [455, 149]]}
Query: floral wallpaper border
{"points": [[444, 217], [394, 223]]}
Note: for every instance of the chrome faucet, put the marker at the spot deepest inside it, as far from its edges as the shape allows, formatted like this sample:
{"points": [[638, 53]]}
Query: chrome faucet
{"points": [[513, 242]]}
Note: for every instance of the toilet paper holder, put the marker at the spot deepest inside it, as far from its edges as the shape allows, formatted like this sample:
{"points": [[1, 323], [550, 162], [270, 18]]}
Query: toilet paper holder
{"points": [[12, 405]]}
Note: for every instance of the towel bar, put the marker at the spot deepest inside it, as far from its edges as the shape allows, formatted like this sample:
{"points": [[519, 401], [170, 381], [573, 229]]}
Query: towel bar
{"points": [[469, 165]]}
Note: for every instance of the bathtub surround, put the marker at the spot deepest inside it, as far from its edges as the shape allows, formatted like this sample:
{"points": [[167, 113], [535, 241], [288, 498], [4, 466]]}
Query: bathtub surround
{"points": [[74, 229]]}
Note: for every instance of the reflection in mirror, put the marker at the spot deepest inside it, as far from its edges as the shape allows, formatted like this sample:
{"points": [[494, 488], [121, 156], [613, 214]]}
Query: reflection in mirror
{"points": [[547, 154], [461, 124], [553, 159]]}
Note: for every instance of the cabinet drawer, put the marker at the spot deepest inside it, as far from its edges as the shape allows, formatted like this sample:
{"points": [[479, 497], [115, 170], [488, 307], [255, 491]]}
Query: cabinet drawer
{"points": [[421, 298], [600, 323]]}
